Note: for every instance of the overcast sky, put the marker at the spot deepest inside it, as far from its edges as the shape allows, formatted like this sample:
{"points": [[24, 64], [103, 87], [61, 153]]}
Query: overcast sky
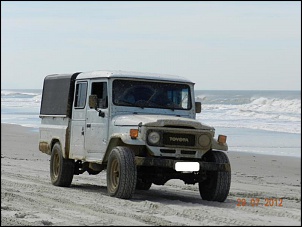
{"points": [[218, 45]]}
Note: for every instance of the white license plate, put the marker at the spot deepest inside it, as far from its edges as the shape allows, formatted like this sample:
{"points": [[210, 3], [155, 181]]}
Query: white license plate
{"points": [[186, 166]]}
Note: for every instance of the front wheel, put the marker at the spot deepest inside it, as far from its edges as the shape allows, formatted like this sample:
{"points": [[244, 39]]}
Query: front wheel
{"points": [[217, 184], [121, 173], [61, 169]]}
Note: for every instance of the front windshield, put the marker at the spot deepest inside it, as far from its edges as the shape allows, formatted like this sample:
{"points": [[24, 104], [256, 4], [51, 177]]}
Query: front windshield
{"points": [[146, 94]]}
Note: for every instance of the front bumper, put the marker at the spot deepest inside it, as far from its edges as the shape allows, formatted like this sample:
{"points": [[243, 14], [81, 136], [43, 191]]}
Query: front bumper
{"points": [[170, 163]]}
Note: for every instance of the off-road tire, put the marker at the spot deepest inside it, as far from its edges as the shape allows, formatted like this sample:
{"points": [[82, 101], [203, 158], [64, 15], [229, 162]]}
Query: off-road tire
{"points": [[142, 185], [217, 185], [121, 173], [61, 169]]}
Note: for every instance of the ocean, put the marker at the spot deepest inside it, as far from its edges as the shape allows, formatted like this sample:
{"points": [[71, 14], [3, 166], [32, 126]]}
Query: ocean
{"points": [[266, 122]]}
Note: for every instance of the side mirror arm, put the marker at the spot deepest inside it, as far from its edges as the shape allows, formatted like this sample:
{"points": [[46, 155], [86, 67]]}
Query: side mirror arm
{"points": [[101, 113]]}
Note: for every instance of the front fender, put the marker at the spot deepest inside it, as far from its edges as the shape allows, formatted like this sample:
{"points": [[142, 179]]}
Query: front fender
{"points": [[126, 139], [121, 139]]}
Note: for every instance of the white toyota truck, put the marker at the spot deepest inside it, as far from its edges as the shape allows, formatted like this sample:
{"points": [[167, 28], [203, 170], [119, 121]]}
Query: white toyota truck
{"points": [[139, 127]]}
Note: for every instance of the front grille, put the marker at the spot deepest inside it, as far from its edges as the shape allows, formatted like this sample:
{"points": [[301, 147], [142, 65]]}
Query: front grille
{"points": [[178, 139]]}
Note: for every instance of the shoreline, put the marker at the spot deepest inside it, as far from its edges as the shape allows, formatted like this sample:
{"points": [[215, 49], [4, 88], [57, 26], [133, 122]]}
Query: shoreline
{"points": [[28, 197]]}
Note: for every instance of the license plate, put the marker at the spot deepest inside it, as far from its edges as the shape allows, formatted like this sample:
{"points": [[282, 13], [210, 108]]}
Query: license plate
{"points": [[186, 166]]}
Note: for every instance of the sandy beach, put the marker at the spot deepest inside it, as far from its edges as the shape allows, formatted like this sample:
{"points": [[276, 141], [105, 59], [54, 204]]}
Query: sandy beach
{"points": [[265, 190]]}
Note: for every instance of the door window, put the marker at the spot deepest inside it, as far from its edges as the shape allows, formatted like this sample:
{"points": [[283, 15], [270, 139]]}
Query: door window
{"points": [[100, 89], [80, 96]]}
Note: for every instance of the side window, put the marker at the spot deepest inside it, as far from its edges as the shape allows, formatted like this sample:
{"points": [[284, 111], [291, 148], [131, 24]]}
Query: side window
{"points": [[100, 89], [80, 97]]}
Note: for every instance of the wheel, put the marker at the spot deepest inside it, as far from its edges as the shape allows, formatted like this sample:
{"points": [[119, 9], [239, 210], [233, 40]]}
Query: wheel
{"points": [[121, 173], [216, 187], [142, 185], [61, 169]]}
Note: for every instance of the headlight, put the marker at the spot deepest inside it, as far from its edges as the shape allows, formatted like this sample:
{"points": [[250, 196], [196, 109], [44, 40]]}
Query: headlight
{"points": [[153, 138], [204, 140]]}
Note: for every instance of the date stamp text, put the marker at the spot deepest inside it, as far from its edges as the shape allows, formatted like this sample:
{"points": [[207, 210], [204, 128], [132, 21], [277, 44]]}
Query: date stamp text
{"points": [[254, 202]]}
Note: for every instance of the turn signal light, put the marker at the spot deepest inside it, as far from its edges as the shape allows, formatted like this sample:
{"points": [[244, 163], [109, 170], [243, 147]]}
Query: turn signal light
{"points": [[133, 133], [222, 139]]}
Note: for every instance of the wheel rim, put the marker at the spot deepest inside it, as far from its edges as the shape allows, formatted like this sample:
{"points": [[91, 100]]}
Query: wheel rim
{"points": [[56, 165], [114, 174]]}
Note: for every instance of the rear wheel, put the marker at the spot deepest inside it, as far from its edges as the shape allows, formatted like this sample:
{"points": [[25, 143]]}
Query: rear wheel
{"points": [[61, 169], [216, 187], [121, 173]]}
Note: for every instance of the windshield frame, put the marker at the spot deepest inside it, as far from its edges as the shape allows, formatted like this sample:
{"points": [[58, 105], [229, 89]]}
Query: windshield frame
{"points": [[179, 94]]}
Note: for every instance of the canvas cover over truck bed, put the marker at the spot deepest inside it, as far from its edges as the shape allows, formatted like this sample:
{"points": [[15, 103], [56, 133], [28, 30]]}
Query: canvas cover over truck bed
{"points": [[57, 94]]}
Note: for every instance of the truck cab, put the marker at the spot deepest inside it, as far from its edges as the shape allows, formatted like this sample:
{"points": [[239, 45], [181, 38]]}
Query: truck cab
{"points": [[140, 127]]}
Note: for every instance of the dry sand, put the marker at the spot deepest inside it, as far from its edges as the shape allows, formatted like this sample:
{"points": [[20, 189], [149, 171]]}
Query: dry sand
{"points": [[28, 197]]}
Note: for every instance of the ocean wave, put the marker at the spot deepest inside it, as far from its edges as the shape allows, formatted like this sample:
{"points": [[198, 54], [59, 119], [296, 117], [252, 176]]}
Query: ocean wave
{"points": [[9, 93], [21, 100], [274, 105], [270, 114], [249, 123], [239, 114], [210, 99], [262, 105]]}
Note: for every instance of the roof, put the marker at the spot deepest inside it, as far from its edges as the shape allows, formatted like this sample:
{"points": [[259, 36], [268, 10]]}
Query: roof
{"points": [[128, 74]]}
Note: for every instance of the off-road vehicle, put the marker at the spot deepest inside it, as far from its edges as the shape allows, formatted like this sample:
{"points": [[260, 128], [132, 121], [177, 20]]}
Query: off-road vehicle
{"points": [[139, 127]]}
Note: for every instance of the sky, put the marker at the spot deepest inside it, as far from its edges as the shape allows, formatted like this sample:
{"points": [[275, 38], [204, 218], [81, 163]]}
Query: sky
{"points": [[218, 45]]}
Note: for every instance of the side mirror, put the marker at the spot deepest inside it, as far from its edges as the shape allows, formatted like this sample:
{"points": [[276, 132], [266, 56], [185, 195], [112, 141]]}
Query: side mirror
{"points": [[93, 101], [197, 107]]}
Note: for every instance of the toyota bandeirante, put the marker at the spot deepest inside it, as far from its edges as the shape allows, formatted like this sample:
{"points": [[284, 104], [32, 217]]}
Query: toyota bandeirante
{"points": [[139, 127]]}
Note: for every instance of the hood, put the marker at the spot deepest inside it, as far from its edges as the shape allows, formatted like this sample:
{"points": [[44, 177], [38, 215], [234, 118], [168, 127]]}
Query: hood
{"points": [[158, 121]]}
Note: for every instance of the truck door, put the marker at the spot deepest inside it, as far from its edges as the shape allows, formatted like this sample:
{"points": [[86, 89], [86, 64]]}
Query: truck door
{"points": [[78, 121], [97, 121]]}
